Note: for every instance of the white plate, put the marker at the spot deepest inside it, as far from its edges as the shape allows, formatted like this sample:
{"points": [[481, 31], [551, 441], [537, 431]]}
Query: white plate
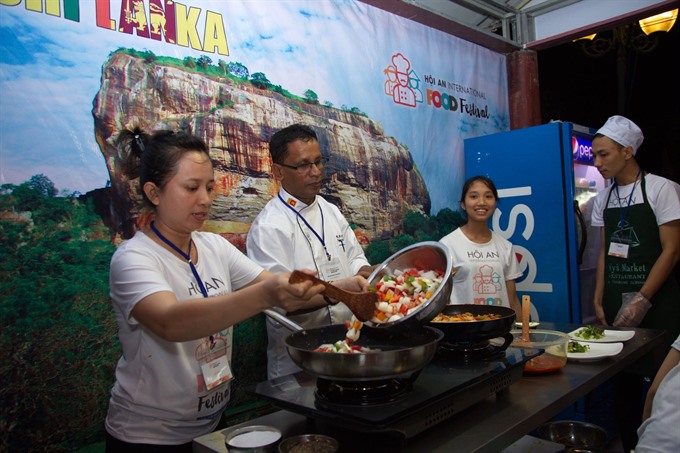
{"points": [[610, 336], [532, 324], [597, 351]]}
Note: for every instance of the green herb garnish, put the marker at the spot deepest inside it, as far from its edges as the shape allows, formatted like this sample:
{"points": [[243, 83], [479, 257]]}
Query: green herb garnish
{"points": [[590, 333], [575, 346]]}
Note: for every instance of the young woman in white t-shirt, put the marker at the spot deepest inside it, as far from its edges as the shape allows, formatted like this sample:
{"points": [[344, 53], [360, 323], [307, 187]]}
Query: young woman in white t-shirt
{"points": [[488, 265], [176, 293]]}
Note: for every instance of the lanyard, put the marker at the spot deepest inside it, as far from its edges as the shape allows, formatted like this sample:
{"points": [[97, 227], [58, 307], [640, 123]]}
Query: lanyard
{"points": [[321, 238], [624, 211], [186, 256]]}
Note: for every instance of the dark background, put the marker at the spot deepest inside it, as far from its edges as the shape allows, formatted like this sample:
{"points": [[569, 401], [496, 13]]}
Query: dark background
{"points": [[581, 89]]}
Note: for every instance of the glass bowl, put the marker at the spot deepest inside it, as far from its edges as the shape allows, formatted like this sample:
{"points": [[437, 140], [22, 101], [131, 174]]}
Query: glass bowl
{"points": [[553, 342]]}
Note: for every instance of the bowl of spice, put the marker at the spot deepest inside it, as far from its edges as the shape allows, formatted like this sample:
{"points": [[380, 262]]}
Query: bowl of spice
{"points": [[253, 439], [309, 443]]}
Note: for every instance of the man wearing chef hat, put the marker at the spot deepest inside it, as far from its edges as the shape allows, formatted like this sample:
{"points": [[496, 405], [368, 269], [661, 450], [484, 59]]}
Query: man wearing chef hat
{"points": [[639, 219]]}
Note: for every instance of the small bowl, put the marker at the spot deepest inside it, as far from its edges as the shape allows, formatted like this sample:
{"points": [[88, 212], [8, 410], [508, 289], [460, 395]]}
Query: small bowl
{"points": [[553, 342], [578, 436], [253, 439], [309, 443]]}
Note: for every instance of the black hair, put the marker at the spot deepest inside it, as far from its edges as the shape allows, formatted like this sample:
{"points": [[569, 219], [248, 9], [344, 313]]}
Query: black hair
{"points": [[154, 157], [278, 144], [483, 179]]}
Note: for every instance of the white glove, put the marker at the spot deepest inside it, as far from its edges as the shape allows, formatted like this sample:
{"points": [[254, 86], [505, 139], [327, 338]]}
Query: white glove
{"points": [[633, 309]]}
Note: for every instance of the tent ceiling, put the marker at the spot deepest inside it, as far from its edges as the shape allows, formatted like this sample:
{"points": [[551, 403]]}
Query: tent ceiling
{"points": [[539, 24]]}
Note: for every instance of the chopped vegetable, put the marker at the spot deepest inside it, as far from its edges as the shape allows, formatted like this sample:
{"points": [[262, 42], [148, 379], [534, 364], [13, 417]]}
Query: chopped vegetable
{"points": [[575, 346], [590, 333], [398, 296], [343, 347], [402, 293]]}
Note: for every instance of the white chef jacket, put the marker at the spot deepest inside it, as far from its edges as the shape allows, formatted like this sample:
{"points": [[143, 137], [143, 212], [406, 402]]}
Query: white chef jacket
{"points": [[287, 235]]}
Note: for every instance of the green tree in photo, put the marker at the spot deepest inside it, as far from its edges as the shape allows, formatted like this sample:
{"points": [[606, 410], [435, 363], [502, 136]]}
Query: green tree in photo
{"points": [[203, 61], [260, 80], [189, 62], [311, 97], [237, 69], [58, 342]]}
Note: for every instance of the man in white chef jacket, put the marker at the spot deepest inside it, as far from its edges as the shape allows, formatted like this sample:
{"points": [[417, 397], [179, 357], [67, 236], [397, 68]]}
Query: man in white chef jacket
{"points": [[298, 229]]}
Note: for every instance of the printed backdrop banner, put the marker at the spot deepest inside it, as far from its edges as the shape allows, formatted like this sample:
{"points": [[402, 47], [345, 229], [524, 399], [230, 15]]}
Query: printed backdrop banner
{"points": [[424, 90]]}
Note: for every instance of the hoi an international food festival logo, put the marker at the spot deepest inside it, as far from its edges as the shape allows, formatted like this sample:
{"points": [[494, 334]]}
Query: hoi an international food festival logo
{"points": [[405, 87]]}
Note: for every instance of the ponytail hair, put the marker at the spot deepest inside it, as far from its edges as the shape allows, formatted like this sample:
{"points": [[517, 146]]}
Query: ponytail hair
{"points": [[131, 143], [154, 157]]}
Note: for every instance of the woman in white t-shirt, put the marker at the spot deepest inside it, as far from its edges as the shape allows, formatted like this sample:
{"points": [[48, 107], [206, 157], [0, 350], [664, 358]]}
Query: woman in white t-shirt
{"points": [[488, 265], [176, 293]]}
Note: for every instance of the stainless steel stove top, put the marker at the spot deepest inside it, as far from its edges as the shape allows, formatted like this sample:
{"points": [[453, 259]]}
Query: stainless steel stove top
{"points": [[445, 387]]}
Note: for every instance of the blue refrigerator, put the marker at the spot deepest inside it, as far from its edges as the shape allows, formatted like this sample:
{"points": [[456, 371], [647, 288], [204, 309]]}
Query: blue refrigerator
{"points": [[546, 182]]}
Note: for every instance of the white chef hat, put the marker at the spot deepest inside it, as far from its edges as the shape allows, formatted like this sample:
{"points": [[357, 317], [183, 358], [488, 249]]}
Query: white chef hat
{"points": [[623, 131]]}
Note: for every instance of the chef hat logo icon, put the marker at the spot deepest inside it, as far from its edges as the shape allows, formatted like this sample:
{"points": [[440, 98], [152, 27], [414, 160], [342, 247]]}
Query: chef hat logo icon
{"points": [[402, 82]]}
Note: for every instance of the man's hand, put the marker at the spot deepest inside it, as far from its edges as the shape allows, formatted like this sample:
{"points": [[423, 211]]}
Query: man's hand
{"points": [[355, 283], [633, 310]]}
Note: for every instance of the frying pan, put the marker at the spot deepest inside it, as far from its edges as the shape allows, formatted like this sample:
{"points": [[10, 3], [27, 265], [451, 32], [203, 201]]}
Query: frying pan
{"points": [[399, 355], [427, 255], [475, 331]]}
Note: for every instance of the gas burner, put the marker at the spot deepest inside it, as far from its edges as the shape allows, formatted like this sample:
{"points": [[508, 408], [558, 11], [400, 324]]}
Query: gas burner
{"points": [[361, 393], [470, 351], [440, 390]]}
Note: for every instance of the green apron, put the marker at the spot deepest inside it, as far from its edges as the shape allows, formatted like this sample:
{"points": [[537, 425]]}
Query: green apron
{"points": [[623, 275]]}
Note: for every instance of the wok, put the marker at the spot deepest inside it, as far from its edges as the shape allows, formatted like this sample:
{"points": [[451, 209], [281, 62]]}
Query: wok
{"points": [[476, 331], [426, 255], [399, 355]]}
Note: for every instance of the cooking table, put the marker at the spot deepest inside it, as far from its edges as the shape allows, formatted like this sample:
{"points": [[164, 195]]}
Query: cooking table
{"points": [[497, 421]]}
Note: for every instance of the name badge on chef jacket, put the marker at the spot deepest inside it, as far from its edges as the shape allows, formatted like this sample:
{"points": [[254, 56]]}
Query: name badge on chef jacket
{"points": [[215, 364], [619, 250], [331, 270]]}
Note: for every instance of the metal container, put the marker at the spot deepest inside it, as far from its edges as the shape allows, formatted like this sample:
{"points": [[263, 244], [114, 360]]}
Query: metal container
{"points": [[575, 435], [394, 356], [309, 443], [253, 439], [428, 255]]}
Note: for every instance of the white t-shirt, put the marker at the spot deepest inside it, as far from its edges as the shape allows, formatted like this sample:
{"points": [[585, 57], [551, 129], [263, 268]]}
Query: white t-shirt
{"points": [[663, 196], [281, 241], [484, 269], [660, 433], [160, 396]]}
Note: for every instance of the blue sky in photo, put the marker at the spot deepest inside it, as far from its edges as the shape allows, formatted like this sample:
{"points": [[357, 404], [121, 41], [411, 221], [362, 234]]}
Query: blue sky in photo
{"points": [[50, 70]]}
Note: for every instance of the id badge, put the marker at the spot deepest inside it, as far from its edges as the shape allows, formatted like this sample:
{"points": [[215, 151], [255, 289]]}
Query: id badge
{"points": [[212, 355], [216, 372], [619, 250], [331, 270]]}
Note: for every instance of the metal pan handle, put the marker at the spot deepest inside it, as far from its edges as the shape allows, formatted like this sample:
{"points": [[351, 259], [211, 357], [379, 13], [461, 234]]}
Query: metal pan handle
{"points": [[285, 322]]}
